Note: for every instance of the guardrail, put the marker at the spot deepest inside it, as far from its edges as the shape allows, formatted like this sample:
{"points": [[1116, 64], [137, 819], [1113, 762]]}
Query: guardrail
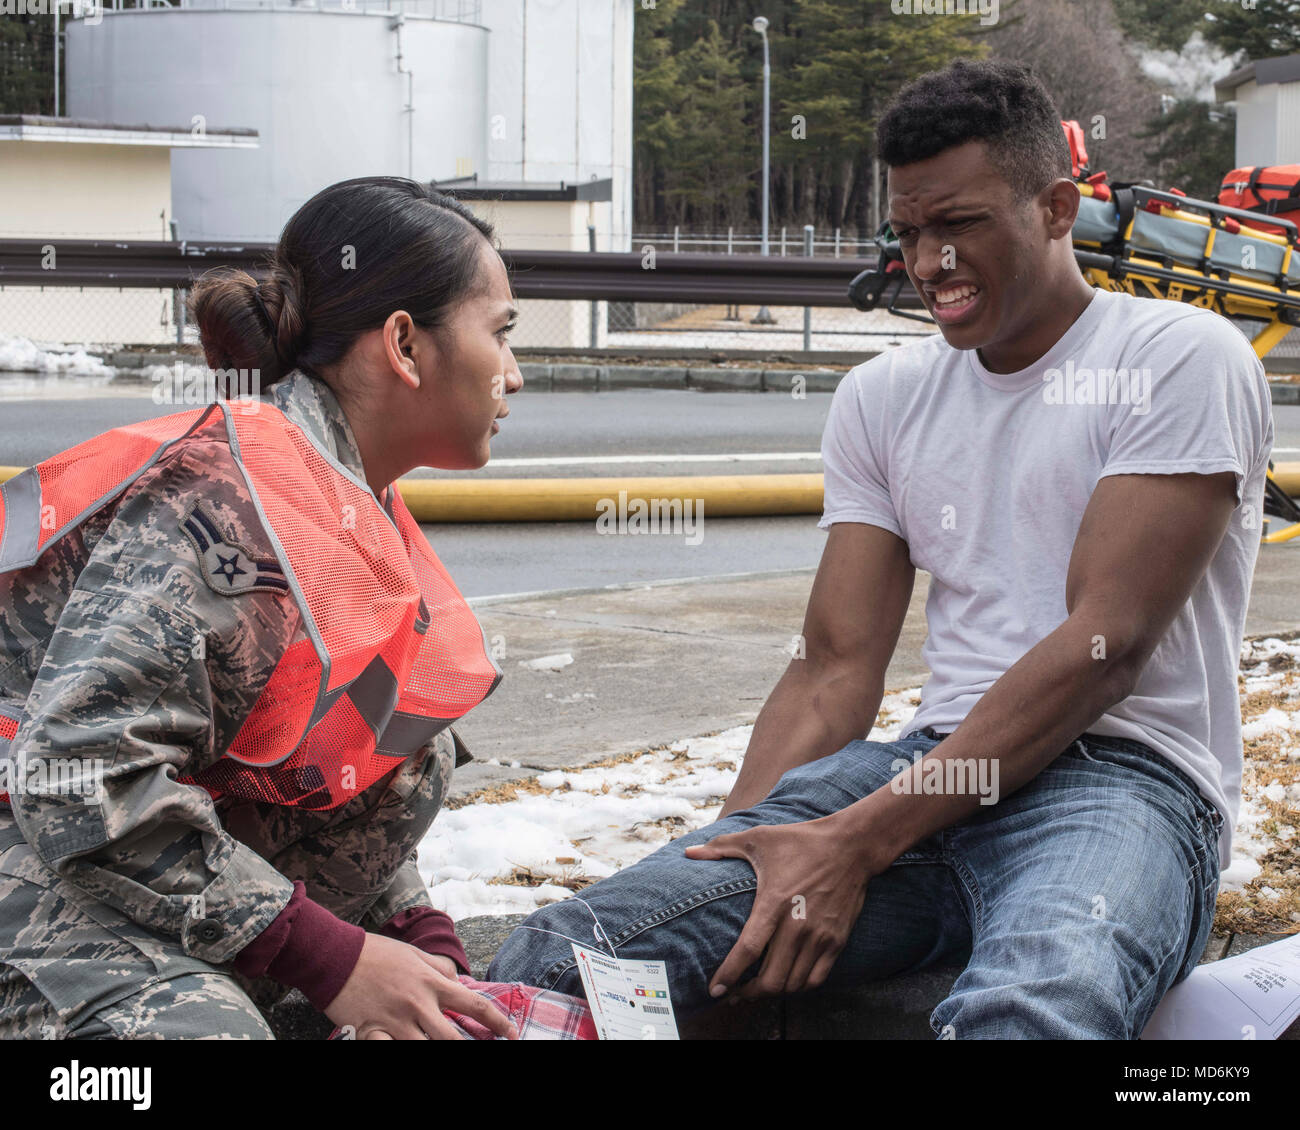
{"points": [[628, 276]]}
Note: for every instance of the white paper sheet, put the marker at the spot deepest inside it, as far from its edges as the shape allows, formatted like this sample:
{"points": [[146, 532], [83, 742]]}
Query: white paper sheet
{"points": [[1253, 996]]}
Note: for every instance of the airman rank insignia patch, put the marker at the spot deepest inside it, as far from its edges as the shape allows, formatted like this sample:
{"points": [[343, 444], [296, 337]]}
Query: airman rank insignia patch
{"points": [[229, 569]]}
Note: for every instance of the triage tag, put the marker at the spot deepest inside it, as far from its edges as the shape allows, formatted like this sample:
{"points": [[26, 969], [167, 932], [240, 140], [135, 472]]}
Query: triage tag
{"points": [[629, 999]]}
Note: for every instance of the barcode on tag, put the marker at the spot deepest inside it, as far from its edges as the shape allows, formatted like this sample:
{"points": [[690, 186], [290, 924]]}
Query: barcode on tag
{"points": [[656, 1008]]}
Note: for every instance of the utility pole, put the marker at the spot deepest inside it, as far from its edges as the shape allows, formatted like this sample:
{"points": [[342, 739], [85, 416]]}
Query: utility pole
{"points": [[764, 316]]}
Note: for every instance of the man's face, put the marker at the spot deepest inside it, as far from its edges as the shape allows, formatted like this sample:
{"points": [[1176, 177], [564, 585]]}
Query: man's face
{"points": [[975, 255]]}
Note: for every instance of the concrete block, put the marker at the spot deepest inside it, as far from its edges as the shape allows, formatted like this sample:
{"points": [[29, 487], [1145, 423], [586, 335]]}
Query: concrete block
{"points": [[482, 936], [1216, 948], [725, 380], [1244, 943], [537, 376], [745, 1020], [576, 378], [782, 380], [295, 1019], [897, 1008], [643, 376]]}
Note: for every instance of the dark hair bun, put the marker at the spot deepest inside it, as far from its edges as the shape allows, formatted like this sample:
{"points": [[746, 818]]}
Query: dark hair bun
{"points": [[409, 248], [240, 332]]}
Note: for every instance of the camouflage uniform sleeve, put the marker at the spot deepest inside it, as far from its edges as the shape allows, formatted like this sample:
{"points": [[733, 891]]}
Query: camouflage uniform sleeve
{"points": [[149, 674], [407, 890]]}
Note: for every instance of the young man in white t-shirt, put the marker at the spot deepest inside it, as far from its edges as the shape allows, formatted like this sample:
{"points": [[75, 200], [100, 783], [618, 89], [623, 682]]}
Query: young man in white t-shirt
{"points": [[1081, 474]]}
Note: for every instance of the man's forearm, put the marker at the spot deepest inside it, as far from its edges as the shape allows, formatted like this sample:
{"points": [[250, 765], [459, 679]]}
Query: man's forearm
{"points": [[1019, 726], [815, 710]]}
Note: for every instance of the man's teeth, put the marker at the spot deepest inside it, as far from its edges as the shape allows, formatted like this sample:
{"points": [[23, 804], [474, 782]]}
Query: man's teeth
{"points": [[956, 294]]}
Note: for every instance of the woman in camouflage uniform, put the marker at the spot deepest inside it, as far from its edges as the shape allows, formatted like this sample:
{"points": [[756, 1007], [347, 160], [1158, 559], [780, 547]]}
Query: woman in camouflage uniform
{"points": [[144, 637]]}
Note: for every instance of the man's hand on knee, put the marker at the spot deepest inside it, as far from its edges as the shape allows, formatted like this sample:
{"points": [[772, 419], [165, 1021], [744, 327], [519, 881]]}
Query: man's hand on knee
{"points": [[811, 886]]}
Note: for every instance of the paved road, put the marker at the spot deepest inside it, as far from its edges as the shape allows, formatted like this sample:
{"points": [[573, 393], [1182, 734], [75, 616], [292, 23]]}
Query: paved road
{"points": [[609, 427], [492, 559]]}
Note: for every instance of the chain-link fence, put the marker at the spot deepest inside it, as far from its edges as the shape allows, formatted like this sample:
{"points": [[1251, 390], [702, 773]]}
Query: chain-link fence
{"points": [[90, 316], [109, 318], [104, 319]]}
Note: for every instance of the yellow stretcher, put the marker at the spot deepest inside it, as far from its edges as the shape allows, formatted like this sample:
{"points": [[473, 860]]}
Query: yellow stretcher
{"points": [[1158, 244], [1164, 245]]}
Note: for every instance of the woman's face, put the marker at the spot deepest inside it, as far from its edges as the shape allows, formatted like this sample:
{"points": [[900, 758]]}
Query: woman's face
{"points": [[464, 381]]}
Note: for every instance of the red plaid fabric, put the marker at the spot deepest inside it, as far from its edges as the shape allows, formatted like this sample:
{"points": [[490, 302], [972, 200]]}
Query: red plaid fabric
{"points": [[538, 1014]]}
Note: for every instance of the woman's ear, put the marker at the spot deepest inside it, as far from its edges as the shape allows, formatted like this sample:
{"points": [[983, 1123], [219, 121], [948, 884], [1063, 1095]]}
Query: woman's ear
{"points": [[401, 347]]}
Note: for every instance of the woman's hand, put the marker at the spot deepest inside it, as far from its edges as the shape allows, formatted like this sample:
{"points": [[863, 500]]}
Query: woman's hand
{"points": [[444, 965], [397, 992]]}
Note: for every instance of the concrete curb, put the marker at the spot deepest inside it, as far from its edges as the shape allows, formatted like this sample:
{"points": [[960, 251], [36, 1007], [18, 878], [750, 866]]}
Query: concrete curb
{"points": [[543, 377], [540, 376]]}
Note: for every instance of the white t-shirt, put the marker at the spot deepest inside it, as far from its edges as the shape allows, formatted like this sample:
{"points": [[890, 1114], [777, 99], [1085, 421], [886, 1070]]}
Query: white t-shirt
{"points": [[986, 477]]}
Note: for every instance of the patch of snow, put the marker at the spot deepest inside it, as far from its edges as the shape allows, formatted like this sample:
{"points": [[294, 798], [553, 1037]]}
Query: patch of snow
{"points": [[606, 819], [548, 662], [21, 355], [1271, 720]]}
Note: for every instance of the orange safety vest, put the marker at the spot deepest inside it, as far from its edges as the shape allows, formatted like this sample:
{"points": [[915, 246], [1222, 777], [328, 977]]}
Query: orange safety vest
{"points": [[393, 653]]}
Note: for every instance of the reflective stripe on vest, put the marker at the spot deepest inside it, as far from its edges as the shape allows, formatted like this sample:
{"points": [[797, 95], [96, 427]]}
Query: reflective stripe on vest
{"points": [[10, 715], [392, 653]]}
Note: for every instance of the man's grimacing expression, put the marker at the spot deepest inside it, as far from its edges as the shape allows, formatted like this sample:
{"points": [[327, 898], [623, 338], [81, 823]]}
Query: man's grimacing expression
{"points": [[980, 259]]}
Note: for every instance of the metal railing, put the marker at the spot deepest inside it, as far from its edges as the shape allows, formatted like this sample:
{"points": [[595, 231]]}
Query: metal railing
{"points": [[122, 291], [664, 276]]}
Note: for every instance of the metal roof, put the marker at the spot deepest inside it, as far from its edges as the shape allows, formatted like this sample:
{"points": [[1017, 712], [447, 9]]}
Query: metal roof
{"points": [[1284, 68], [44, 127], [471, 188]]}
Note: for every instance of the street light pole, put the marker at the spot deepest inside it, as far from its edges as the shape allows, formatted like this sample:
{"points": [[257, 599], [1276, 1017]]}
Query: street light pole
{"points": [[764, 316]]}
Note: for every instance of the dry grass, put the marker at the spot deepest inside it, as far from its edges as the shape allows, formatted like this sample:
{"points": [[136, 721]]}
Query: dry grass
{"points": [[501, 793], [572, 878], [1251, 910]]}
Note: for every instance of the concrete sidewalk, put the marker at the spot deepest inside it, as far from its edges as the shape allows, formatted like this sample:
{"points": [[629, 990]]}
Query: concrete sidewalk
{"points": [[656, 663]]}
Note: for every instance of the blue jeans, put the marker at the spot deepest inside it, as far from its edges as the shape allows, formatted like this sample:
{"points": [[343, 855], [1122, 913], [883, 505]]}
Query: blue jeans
{"points": [[1076, 902]]}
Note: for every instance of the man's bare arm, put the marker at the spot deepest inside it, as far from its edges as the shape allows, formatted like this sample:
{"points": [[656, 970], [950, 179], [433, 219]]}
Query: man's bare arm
{"points": [[831, 695], [1143, 545]]}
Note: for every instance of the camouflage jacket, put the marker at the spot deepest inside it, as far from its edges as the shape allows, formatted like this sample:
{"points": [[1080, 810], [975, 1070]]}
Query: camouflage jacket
{"points": [[119, 647]]}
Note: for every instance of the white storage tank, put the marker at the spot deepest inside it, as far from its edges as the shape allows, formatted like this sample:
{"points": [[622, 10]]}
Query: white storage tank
{"points": [[533, 90]]}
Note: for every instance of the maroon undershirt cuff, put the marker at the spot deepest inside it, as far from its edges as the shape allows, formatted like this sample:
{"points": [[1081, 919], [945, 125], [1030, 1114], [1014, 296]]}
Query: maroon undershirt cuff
{"points": [[428, 930], [307, 948]]}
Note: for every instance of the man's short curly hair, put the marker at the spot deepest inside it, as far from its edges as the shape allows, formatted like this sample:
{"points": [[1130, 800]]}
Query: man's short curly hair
{"points": [[1000, 103]]}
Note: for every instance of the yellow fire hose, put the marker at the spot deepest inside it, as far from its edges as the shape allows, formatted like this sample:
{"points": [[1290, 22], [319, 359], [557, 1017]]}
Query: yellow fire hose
{"points": [[589, 499]]}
